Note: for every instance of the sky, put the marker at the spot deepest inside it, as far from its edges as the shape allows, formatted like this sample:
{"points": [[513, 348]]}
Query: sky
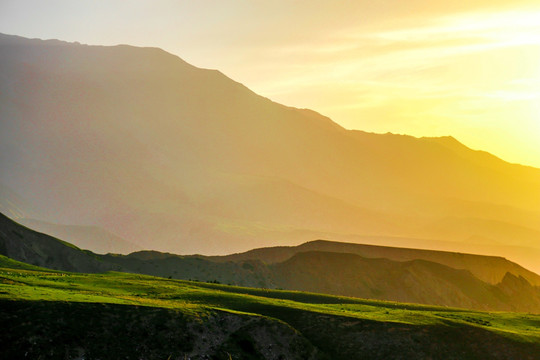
{"points": [[469, 69]]}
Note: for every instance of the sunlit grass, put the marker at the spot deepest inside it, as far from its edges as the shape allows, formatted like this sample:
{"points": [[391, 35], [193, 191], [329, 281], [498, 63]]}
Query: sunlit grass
{"points": [[198, 299]]}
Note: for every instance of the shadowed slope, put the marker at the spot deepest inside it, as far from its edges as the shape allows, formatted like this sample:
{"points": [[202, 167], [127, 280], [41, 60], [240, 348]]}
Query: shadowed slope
{"points": [[23, 244], [416, 281], [490, 269]]}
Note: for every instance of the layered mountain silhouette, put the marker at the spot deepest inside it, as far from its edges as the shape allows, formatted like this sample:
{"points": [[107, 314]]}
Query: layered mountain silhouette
{"points": [[339, 272], [171, 157]]}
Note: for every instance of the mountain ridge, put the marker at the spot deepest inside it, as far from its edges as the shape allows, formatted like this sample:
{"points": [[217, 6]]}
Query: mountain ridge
{"points": [[164, 151], [492, 273]]}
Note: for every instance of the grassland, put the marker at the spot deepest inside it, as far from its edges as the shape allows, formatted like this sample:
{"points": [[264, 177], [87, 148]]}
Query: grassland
{"points": [[332, 327]]}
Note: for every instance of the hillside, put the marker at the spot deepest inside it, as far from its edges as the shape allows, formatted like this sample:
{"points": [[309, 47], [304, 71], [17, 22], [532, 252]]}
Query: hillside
{"points": [[23, 244], [215, 168], [415, 281], [490, 269], [64, 315]]}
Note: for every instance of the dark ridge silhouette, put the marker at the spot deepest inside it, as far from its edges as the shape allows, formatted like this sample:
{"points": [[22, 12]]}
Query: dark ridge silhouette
{"points": [[491, 269]]}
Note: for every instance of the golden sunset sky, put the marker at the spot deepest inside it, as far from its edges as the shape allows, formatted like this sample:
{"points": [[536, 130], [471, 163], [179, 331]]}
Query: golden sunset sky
{"points": [[469, 69]]}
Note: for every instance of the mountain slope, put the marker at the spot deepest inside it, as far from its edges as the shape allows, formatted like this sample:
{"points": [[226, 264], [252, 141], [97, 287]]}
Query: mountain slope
{"points": [[23, 244], [490, 269], [417, 281], [176, 158]]}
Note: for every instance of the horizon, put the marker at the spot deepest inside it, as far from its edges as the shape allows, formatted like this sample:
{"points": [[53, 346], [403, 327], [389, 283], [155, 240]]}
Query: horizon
{"points": [[469, 71]]}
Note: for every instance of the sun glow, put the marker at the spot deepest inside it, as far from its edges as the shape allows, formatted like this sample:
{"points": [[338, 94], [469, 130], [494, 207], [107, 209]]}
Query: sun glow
{"points": [[474, 75]]}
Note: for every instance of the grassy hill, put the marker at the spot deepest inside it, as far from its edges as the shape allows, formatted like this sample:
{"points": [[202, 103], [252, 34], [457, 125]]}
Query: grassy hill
{"points": [[339, 273], [54, 314]]}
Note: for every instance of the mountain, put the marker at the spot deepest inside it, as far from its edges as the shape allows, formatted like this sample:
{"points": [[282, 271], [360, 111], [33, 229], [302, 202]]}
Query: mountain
{"points": [[416, 281], [176, 158], [348, 274], [491, 269], [338, 273]]}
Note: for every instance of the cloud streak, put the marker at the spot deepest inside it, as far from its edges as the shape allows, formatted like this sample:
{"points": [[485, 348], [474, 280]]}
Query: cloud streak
{"points": [[454, 72]]}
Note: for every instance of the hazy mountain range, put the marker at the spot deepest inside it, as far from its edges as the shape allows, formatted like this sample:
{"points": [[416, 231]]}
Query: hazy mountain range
{"points": [[151, 150]]}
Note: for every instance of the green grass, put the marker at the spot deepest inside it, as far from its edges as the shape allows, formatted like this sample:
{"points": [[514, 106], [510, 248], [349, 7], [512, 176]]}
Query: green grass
{"points": [[8, 263], [19, 281]]}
